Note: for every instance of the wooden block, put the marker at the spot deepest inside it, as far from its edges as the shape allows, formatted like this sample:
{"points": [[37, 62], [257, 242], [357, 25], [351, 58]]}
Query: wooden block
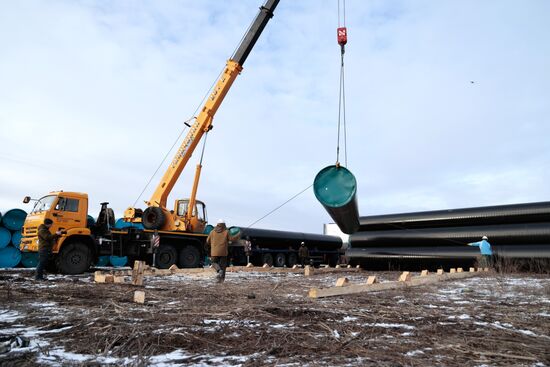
{"points": [[109, 278], [358, 266], [485, 269], [372, 279], [405, 276], [137, 273], [265, 266], [452, 270], [118, 279], [440, 271], [472, 270], [295, 267], [99, 277], [139, 297], [338, 266], [349, 266], [308, 271], [479, 269], [173, 268], [459, 270], [342, 282], [249, 265], [424, 273]]}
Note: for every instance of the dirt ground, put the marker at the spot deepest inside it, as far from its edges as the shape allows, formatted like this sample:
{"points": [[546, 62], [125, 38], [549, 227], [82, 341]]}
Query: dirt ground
{"points": [[266, 319]]}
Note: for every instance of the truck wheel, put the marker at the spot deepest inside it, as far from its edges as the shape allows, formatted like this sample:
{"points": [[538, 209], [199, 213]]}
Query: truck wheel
{"points": [[166, 256], [153, 218], [267, 259], [280, 260], [190, 257], [75, 258], [292, 260]]}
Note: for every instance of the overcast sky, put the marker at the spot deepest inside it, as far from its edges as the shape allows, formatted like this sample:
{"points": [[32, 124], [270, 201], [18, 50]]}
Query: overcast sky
{"points": [[448, 103]]}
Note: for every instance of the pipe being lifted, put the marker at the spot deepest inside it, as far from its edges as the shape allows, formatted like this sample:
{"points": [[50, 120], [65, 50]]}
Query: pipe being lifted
{"points": [[335, 187]]}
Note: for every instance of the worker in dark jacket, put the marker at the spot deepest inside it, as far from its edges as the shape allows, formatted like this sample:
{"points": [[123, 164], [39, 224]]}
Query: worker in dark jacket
{"points": [[218, 240], [46, 240], [303, 254]]}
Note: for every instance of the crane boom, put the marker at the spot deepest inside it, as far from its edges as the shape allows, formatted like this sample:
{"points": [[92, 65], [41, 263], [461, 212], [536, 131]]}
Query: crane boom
{"points": [[203, 122]]}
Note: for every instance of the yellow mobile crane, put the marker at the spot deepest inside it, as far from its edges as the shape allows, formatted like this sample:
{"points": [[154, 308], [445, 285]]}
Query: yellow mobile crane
{"points": [[181, 232], [189, 214]]}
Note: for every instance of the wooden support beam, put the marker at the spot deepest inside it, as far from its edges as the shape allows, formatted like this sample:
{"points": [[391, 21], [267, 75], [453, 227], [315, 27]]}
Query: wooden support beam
{"points": [[249, 265], [405, 276], [472, 270], [459, 270], [342, 282], [372, 279], [118, 279], [364, 288], [173, 268], [452, 270], [308, 271], [338, 266], [137, 273], [440, 271], [424, 273], [139, 297]]}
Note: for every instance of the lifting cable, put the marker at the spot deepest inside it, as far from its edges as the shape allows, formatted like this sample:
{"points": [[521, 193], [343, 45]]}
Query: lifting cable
{"points": [[342, 40]]}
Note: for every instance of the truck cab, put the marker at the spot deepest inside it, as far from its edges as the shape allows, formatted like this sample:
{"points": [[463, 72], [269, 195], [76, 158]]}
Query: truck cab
{"points": [[68, 211]]}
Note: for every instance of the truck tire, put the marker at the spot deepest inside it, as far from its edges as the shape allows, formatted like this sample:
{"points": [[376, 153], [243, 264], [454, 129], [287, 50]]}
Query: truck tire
{"points": [[153, 218], [166, 256], [280, 260], [267, 259], [292, 260], [189, 257], [74, 258]]}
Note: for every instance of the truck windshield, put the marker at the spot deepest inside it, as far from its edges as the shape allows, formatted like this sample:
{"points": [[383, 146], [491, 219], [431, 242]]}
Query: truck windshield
{"points": [[44, 203]]}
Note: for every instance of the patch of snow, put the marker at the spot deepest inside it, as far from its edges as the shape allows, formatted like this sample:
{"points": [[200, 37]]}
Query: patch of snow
{"points": [[349, 318], [413, 353], [391, 326], [9, 316]]}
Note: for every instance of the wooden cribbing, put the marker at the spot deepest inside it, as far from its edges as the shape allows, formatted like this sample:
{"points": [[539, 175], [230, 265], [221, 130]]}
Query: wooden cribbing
{"points": [[342, 282], [308, 271], [424, 273], [137, 273], [139, 297], [375, 287]]}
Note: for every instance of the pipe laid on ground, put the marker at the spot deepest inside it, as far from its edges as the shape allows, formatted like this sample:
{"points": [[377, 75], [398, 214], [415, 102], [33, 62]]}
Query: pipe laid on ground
{"points": [[526, 233], [500, 214]]}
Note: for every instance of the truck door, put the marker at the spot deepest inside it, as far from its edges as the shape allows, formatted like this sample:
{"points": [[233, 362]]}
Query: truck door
{"points": [[68, 213]]}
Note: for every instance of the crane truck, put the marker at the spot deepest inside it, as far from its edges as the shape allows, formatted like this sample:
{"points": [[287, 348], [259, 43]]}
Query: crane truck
{"points": [[181, 230]]}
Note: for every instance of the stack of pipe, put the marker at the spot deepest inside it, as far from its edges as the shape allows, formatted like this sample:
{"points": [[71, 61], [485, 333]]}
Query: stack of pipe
{"points": [[517, 231], [10, 237]]}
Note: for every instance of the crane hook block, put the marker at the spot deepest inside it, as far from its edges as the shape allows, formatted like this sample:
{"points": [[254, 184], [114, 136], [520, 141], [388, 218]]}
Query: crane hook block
{"points": [[342, 36]]}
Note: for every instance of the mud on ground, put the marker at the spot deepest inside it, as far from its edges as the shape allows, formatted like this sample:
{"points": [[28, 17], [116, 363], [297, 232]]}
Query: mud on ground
{"points": [[260, 318]]}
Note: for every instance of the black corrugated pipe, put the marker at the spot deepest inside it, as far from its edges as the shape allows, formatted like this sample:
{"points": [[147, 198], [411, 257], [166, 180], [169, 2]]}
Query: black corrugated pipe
{"points": [[283, 239], [501, 214], [528, 233]]}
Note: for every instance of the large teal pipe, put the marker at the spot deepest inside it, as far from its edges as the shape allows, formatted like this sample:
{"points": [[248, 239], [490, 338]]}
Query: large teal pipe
{"points": [[14, 219], [335, 187], [9, 257], [5, 237]]}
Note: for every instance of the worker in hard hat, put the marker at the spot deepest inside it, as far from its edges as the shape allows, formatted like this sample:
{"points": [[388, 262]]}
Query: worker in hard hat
{"points": [[303, 254], [218, 241], [486, 253]]}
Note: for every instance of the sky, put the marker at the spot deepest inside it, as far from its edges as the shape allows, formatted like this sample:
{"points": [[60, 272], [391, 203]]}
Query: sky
{"points": [[447, 103]]}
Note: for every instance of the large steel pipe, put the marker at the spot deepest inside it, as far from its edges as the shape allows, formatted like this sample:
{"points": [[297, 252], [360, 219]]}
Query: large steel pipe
{"points": [[527, 233], [449, 252], [501, 214], [284, 240], [335, 187]]}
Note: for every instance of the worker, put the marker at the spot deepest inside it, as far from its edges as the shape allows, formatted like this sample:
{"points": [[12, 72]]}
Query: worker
{"points": [[218, 240], [303, 254], [486, 254], [46, 241]]}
